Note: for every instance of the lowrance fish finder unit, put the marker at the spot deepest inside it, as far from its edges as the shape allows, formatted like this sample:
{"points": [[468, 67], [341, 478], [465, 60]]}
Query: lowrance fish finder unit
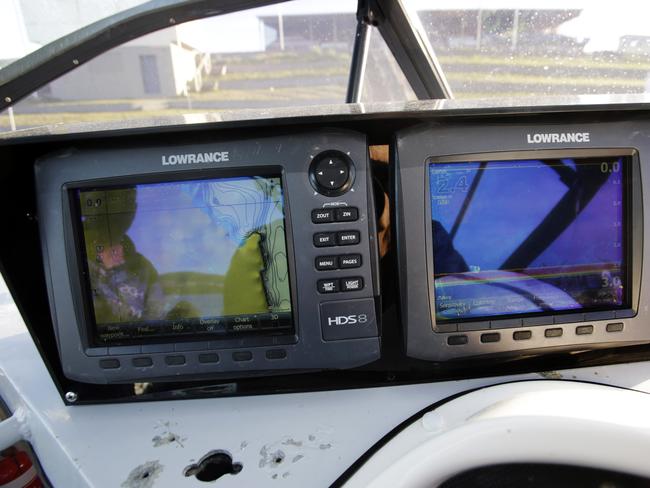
{"points": [[234, 257], [519, 237]]}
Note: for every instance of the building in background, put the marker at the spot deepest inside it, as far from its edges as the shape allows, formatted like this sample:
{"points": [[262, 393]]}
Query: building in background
{"points": [[160, 64], [300, 31]]}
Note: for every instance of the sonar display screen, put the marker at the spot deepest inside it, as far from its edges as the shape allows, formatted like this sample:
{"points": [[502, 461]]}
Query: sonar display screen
{"points": [[186, 258], [515, 238]]}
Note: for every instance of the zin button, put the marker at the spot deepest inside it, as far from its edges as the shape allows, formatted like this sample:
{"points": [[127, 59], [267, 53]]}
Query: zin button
{"points": [[328, 286], [352, 284], [348, 237], [347, 214], [325, 239]]}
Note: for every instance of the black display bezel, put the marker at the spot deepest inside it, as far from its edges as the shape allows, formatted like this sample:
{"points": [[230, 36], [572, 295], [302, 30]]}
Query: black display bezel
{"points": [[81, 274], [632, 249]]}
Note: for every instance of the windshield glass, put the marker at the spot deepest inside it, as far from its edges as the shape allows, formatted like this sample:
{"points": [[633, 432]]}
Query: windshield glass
{"points": [[292, 54], [528, 48], [26, 25], [298, 54]]}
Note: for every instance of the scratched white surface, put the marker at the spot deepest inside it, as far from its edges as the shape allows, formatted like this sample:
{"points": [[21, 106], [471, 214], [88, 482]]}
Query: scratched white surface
{"points": [[317, 435]]}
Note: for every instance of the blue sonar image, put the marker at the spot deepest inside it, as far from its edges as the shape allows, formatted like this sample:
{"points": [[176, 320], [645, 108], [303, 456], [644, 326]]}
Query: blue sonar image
{"points": [[528, 236]]}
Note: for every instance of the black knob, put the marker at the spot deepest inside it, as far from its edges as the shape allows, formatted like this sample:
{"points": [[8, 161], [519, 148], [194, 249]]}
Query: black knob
{"points": [[331, 173]]}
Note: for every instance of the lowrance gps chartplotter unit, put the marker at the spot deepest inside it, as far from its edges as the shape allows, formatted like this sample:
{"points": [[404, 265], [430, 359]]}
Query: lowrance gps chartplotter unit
{"points": [[241, 256], [517, 236]]}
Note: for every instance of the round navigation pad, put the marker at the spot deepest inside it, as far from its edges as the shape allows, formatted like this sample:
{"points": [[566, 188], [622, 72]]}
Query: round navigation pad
{"points": [[331, 173]]}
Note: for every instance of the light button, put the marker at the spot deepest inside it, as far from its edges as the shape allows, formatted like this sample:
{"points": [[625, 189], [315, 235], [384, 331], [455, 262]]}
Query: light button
{"points": [[352, 284]]}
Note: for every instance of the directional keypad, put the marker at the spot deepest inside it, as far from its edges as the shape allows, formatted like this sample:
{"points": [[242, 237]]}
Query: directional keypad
{"points": [[330, 172]]}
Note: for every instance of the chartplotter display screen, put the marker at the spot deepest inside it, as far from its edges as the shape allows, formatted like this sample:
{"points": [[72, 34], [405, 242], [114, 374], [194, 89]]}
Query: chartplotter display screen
{"points": [[529, 237], [185, 258]]}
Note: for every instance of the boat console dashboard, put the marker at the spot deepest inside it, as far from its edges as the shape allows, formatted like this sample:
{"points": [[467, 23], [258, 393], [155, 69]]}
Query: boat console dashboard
{"points": [[235, 256], [518, 237], [282, 254]]}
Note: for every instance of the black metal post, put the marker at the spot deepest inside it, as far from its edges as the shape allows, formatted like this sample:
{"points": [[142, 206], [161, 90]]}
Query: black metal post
{"points": [[359, 60]]}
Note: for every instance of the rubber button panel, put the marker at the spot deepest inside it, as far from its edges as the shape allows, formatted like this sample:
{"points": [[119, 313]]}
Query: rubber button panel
{"points": [[584, 329], [209, 358], [615, 327], [109, 363], [491, 337], [242, 356], [276, 354], [142, 362], [348, 319], [553, 332], [178, 360], [457, 340], [522, 335]]}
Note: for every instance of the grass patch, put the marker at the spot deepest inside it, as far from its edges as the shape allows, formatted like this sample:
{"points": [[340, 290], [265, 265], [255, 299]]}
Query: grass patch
{"points": [[284, 56], [287, 73], [283, 93], [541, 62], [516, 79]]}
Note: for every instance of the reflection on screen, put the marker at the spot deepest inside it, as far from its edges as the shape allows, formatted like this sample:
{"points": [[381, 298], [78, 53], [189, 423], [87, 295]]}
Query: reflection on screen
{"points": [[189, 257], [528, 236]]}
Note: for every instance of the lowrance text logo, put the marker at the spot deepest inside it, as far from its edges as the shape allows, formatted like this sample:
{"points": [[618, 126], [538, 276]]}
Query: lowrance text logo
{"points": [[361, 318], [195, 158], [557, 137]]}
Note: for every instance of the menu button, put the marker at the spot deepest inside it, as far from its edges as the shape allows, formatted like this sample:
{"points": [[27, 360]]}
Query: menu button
{"points": [[325, 262]]}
